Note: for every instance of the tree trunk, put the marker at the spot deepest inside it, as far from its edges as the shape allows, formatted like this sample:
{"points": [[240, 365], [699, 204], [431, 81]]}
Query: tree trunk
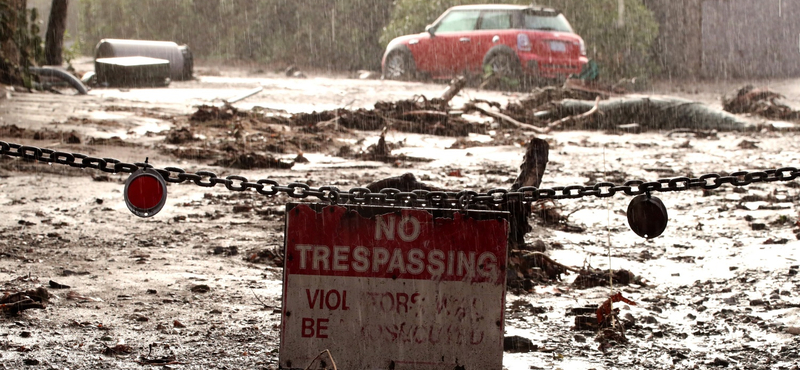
{"points": [[54, 40], [9, 52], [651, 113]]}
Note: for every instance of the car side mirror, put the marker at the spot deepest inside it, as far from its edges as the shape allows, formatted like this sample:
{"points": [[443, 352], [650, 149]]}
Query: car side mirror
{"points": [[429, 28]]}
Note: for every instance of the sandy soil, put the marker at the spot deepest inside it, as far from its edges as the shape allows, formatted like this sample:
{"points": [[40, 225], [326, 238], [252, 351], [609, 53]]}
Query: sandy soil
{"points": [[721, 282]]}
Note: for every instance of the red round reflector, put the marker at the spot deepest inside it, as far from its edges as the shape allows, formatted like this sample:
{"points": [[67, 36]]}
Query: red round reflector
{"points": [[145, 192]]}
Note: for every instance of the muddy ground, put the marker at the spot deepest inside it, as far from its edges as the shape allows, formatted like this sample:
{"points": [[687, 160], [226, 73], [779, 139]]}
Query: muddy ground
{"points": [[718, 288]]}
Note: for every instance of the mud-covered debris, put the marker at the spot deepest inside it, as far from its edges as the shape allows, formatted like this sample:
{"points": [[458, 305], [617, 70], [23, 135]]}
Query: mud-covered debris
{"points": [[720, 362], [293, 71], [590, 277], [72, 138], [525, 108], [550, 215], [417, 115], [75, 296], [14, 131], [536, 266], [523, 306], [119, 349], [67, 272], [463, 143], [180, 135], [405, 183], [206, 113], [13, 303], [112, 141], [242, 208], [272, 256], [101, 177], [747, 144], [252, 160], [759, 101], [201, 288], [159, 361], [536, 246], [226, 251], [517, 344], [300, 158], [585, 323], [380, 151], [55, 285], [31, 361]]}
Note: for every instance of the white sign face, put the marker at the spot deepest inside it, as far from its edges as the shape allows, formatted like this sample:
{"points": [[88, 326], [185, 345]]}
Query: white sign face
{"points": [[399, 289]]}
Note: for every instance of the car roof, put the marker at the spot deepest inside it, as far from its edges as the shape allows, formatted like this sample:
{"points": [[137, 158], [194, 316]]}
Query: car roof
{"points": [[501, 7]]}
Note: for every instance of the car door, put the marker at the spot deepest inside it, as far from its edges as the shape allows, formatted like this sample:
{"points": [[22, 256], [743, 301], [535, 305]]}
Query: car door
{"points": [[450, 43], [494, 28]]}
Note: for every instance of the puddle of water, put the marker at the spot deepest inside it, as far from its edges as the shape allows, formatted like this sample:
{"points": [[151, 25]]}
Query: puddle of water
{"points": [[141, 126]]}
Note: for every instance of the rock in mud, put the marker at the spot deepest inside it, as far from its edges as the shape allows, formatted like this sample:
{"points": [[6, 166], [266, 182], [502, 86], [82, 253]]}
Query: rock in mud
{"points": [[517, 344]]}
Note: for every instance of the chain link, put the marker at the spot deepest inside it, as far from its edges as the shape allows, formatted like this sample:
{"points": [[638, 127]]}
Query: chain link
{"points": [[395, 197]]}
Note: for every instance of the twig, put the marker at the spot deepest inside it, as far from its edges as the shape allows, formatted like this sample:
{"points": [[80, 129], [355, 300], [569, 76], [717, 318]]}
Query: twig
{"points": [[560, 122], [423, 113], [328, 352], [550, 260], [333, 121], [259, 299]]}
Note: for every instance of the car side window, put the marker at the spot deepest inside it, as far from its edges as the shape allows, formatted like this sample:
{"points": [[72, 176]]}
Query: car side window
{"points": [[495, 21], [456, 21]]}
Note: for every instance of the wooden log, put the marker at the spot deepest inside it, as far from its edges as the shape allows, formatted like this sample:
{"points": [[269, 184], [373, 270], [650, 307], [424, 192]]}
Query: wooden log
{"points": [[531, 172], [455, 87]]}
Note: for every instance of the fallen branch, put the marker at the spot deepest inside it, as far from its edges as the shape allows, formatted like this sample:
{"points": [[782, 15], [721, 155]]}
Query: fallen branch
{"points": [[581, 116], [653, 113], [455, 87], [504, 118]]}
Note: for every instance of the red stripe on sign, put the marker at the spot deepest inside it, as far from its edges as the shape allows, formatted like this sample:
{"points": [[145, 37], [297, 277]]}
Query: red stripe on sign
{"points": [[406, 244]]}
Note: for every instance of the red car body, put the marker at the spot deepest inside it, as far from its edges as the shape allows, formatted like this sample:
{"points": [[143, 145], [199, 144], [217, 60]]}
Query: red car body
{"points": [[538, 42]]}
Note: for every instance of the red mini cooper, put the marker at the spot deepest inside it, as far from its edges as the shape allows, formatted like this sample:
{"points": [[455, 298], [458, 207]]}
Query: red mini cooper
{"points": [[505, 40]]}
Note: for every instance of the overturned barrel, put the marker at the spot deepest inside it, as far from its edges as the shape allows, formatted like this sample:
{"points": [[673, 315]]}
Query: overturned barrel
{"points": [[181, 62]]}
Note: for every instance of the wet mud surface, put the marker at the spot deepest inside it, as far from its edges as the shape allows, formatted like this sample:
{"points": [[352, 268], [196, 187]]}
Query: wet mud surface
{"points": [[198, 286]]}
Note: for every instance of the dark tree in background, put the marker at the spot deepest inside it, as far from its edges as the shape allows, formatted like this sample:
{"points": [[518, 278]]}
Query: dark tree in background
{"points": [[54, 39], [20, 45]]}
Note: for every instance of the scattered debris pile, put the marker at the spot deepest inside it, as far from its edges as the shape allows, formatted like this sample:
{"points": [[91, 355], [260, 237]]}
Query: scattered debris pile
{"points": [[14, 131], [761, 102], [207, 113], [417, 115], [13, 303], [248, 139], [591, 277]]}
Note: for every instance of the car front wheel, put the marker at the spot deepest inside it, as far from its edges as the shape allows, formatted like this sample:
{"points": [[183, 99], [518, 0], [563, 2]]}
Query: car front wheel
{"points": [[399, 66]]}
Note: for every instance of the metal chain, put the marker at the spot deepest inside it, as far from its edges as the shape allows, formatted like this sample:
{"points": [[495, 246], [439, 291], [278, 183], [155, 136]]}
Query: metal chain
{"points": [[394, 197]]}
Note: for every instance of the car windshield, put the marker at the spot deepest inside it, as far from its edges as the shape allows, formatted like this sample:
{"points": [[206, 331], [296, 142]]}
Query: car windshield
{"points": [[546, 22]]}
